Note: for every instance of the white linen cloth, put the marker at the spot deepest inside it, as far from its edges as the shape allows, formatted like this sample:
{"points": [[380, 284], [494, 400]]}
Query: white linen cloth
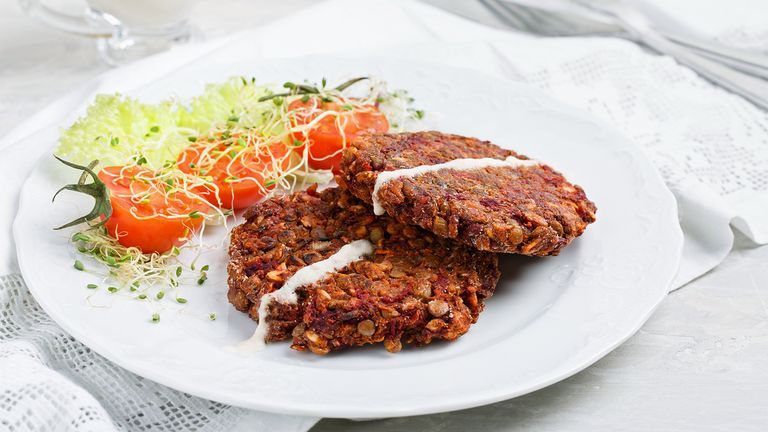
{"points": [[711, 147]]}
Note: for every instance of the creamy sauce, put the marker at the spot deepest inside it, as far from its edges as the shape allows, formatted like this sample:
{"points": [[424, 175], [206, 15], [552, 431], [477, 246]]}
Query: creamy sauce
{"points": [[306, 276], [456, 164]]}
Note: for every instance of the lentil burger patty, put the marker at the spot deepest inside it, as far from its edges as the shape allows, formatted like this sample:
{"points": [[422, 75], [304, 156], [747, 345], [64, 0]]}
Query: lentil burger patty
{"points": [[415, 287], [531, 210]]}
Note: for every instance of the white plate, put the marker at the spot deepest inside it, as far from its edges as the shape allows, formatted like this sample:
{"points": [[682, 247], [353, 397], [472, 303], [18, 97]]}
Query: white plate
{"points": [[549, 318]]}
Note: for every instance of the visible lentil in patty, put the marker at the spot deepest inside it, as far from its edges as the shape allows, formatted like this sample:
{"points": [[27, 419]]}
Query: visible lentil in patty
{"points": [[415, 288], [530, 210]]}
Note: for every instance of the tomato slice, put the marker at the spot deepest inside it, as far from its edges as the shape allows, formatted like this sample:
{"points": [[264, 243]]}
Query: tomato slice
{"points": [[146, 217], [332, 133], [242, 174]]}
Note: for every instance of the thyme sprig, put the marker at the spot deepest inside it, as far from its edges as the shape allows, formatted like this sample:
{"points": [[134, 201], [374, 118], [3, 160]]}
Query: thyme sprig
{"points": [[305, 89]]}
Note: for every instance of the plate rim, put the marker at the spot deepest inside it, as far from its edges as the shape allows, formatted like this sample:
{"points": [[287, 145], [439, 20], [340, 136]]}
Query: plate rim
{"points": [[469, 401]]}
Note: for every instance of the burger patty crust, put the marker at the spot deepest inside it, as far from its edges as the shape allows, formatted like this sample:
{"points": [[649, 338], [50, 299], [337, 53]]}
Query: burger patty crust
{"points": [[530, 210], [415, 288]]}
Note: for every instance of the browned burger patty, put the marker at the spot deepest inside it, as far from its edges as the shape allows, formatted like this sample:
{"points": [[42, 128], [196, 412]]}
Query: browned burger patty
{"points": [[530, 210], [415, 287]]}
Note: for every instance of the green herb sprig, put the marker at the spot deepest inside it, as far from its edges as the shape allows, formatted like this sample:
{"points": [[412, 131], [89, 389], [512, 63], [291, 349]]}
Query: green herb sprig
{"points": [[307, 90]]}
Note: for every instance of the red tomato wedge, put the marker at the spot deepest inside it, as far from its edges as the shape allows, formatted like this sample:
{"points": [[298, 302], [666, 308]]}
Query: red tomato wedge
{"points": [[144, 216], [332, 133], [242, 176]]}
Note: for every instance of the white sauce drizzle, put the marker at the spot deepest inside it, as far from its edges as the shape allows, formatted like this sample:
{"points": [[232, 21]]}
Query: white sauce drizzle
{"points": [[306, 276], [456, 164]]}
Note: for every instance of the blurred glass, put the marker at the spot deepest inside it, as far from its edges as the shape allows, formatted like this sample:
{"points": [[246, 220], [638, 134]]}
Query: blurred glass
{"points": [[124, 30]]}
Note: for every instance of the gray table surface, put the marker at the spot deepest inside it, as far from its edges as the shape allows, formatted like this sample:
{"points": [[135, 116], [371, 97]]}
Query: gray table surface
{"points": [[699, 364]]}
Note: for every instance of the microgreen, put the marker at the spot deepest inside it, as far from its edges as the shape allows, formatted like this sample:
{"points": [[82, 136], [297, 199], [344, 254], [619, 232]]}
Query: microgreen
{"points": [[306, 90]]}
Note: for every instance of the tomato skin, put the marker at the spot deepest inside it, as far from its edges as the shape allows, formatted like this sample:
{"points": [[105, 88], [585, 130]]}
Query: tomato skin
{"points": [[328, 136], [251, 167], [154, 235]]}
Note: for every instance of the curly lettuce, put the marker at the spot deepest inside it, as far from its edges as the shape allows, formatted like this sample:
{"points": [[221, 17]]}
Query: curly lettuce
{"points": [[118, 129], [232, 103]]}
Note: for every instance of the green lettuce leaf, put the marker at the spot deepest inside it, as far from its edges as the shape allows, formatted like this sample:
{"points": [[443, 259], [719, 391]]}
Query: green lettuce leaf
{"points": [[118, 129], [232, 103]]}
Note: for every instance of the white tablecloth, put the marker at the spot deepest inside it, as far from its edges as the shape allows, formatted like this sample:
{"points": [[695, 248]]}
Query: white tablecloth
{"points": [[710, 146]]}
